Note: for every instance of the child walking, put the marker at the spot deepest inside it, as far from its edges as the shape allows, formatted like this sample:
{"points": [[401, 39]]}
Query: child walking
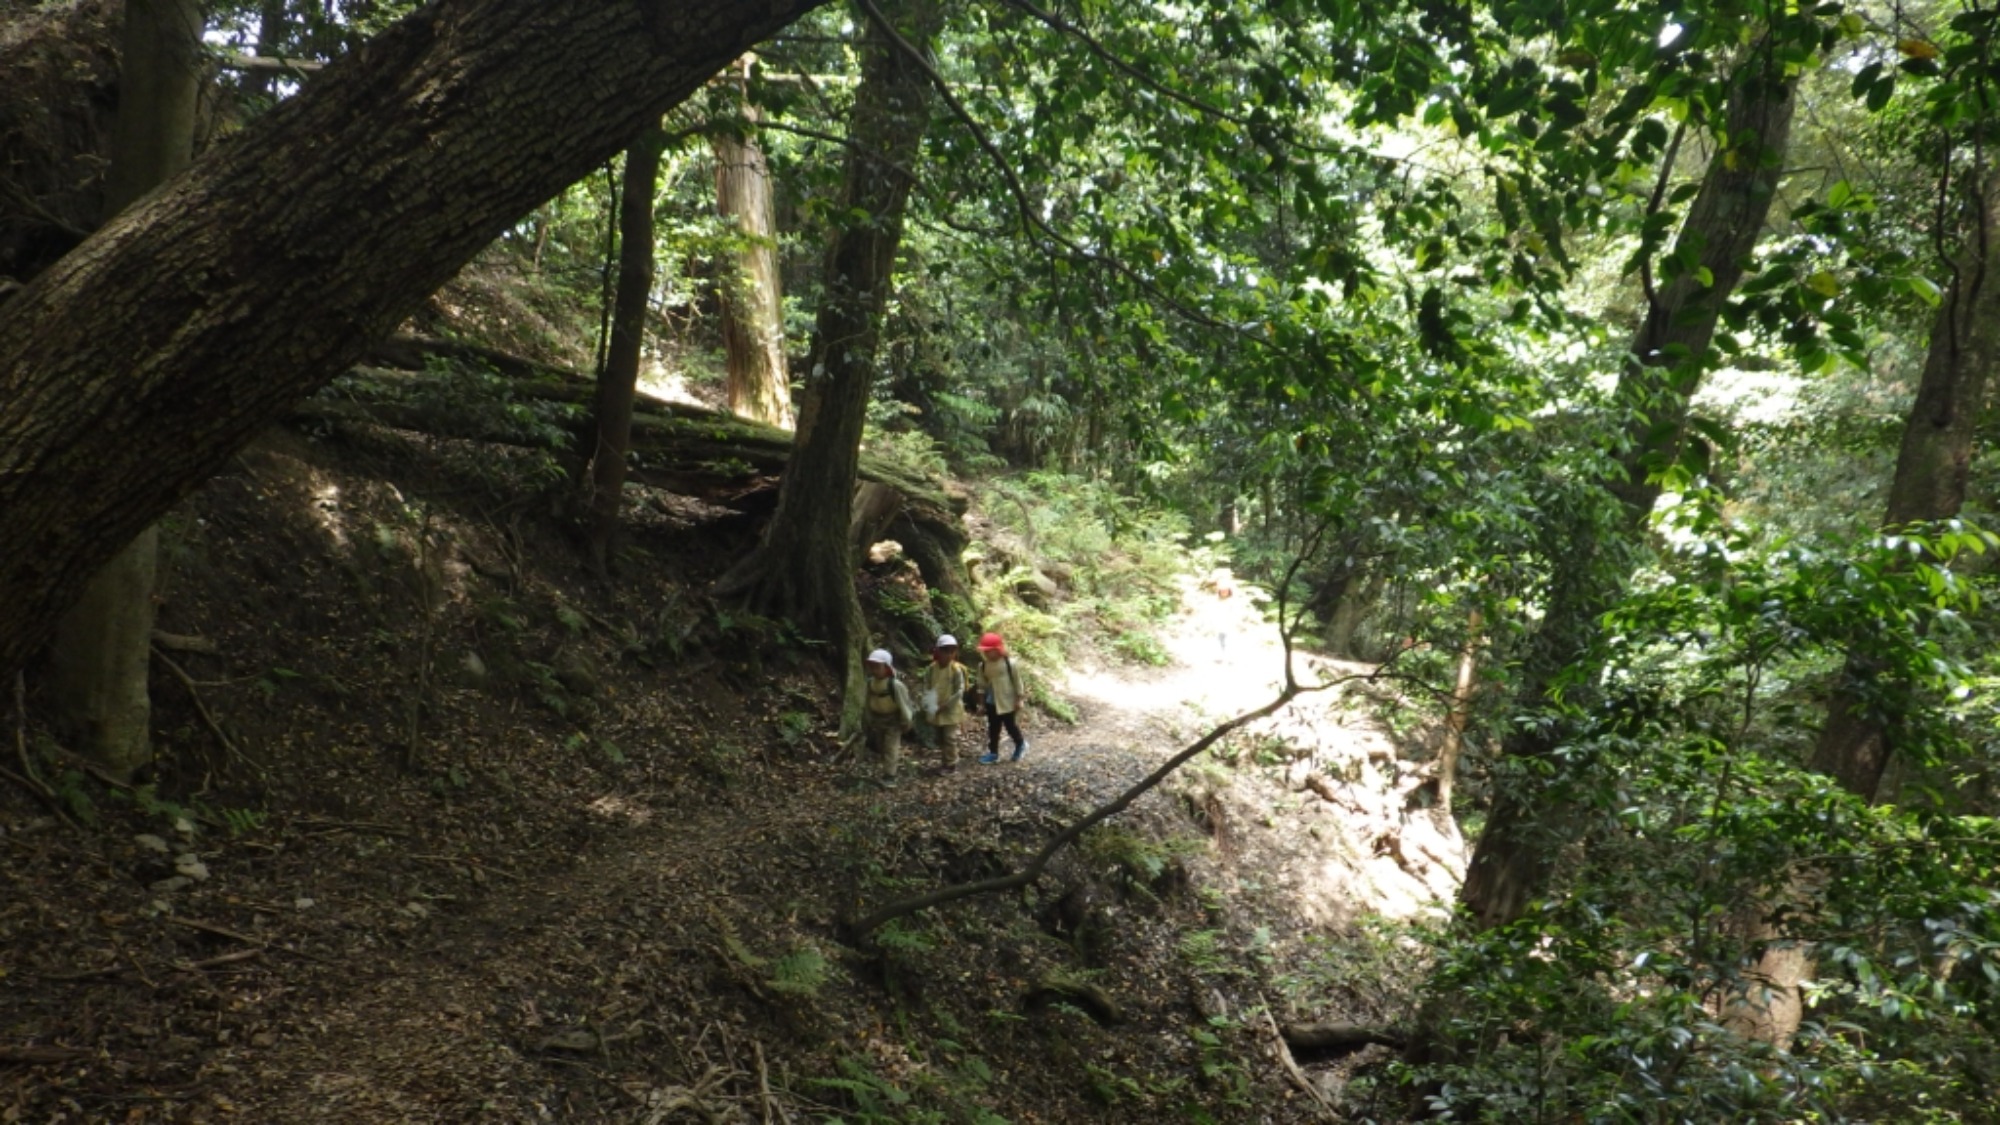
{"points": [[1000, 684], [944, 698], [888, 713]]}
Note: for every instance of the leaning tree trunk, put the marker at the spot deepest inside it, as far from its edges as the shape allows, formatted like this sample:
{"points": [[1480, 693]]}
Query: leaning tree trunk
{"points": [[753, 308], [1511, 863], [611, 418], [102, 649], [269, 267], [1933, 466], [803, 571]]}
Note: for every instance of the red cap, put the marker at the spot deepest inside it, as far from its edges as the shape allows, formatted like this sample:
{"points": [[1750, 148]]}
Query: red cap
{"points": [[991, 642]]}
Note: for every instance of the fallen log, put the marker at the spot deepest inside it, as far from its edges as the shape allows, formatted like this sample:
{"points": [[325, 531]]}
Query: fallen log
{"points": [[1085, 995], [686, 449], [1338, 1036]]}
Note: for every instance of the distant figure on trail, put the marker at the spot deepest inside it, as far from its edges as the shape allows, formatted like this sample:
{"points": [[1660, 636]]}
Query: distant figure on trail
{"points": [[1000, 687], [1223, 584], [888, 713], [944, 698]]}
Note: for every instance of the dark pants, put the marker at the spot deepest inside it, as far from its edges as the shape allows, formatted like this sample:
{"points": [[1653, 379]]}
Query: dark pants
{"points": [[994, 721]]}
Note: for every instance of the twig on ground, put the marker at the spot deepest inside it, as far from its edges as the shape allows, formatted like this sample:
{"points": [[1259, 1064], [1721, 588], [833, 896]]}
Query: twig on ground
{"points": [[181, 643], [463, 862], [224, 959], [34, 1055], [41, 793], [28, 779], [322, 827], [763, 1079], [194, 693], [1291, 1065], [246, 939], [111, 970], [212, 928]]}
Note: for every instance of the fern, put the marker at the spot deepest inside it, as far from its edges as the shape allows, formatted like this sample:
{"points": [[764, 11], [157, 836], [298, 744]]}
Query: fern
{"points": [[802, 972]]}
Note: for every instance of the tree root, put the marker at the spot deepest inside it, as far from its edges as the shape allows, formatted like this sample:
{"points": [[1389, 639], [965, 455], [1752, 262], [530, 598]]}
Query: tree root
{"points": [[1100, 1004]]}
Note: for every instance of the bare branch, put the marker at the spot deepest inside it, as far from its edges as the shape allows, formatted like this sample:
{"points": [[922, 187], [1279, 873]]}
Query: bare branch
{"points": [[1033, 869]]}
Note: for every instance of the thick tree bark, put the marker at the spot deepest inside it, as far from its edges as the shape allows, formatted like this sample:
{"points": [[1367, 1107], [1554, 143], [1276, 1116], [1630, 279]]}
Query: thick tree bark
{"points": [[102, 649], [804, 569], [1511, 863], [753, 307], [612, 413], [268, 267]]}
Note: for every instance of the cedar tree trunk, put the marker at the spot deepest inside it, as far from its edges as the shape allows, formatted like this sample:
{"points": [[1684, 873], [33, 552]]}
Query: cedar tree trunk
{"points": [[1461, 710], [753, 305], [102, 650], [133, 368], [1511, 863], [619, 381], [1932, 468], [804, 569]]}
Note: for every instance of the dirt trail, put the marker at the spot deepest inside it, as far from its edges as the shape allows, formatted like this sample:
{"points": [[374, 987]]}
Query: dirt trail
{"points": [[643, 965]]}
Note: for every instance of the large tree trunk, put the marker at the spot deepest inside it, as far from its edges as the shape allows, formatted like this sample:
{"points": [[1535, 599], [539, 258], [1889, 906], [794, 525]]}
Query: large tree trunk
{"points": [[1933, 466], [102, 650], [753, 306], [619, 381], [133, 368], [1512, 860], [804, 569]]}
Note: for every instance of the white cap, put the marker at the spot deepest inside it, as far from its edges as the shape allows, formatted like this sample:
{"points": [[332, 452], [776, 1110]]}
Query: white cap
{"points": [[880, 656], [946, 641]]}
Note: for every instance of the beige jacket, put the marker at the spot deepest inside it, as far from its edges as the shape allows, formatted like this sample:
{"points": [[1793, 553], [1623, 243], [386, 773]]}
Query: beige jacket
{"points": [[889, 702], [946, 686], [1000, 681]]}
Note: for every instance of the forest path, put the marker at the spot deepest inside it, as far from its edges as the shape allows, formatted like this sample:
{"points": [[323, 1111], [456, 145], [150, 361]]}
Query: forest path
{"points": [[605, 966]]}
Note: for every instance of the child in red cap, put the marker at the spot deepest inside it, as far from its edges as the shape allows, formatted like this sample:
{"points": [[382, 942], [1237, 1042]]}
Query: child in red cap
{"points": [[1000, 682]]}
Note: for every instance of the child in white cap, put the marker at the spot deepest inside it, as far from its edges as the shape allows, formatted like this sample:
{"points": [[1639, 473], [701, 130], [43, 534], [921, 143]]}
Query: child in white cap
{"points": [[887, 714], [944, 697]]}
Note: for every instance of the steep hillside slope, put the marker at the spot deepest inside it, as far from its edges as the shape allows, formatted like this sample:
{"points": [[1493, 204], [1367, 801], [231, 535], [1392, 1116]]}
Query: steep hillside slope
{"points": [[445, 831]]}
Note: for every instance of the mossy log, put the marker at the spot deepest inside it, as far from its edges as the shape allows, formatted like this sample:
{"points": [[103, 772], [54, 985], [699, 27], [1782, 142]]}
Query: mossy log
{"points": [[679, 447], [1085, 995], [1338, 1037]]}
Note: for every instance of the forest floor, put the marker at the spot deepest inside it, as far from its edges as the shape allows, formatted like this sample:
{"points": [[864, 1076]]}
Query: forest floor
{"points": [[452, 833]]}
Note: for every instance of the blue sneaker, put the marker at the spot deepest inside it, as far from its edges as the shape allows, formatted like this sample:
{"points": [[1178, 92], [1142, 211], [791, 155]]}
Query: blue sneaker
{"points": [[1020, 750], [990, 757]]}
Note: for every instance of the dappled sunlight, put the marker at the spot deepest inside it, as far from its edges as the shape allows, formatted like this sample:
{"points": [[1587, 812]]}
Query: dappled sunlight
{"points": [[1341, 831], [611, 806], [325, 511]]}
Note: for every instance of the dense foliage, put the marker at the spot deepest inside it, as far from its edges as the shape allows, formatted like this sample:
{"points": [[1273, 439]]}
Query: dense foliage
{"points": [[1359, 285]]}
